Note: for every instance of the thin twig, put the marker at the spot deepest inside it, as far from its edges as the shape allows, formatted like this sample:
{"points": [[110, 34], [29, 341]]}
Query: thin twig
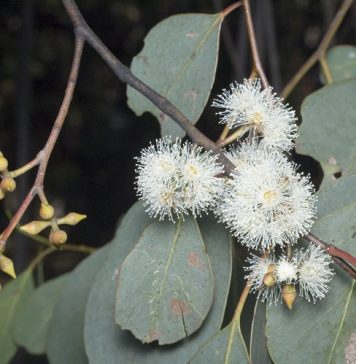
{"points": [[45, 153], [125, 75], [320, 51], [253, 43]]}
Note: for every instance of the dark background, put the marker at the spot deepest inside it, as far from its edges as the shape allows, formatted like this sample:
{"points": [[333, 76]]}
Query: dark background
{"points": [[92, 168]]}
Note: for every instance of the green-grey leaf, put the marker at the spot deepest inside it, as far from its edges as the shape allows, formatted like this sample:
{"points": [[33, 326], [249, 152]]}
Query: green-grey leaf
{"points": [[65, 342], [31, 324], [342, 62], [106, 343], [328, 130], [258, 342], [321, 333], [178, 61], [12, 298], [225, 347], [166, 283]]}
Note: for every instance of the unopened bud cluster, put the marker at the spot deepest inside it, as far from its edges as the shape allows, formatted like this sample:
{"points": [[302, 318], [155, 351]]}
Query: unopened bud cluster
{"points": [[56, 236], [264, 201], [7, 183]]}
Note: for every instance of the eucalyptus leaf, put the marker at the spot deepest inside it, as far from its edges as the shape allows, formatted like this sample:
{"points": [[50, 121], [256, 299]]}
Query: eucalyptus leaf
{"points": [[322, 332], [179, 61], [342, 62], [105, 342], [258, 341], [65, 342], [12, 298], [226, 347], [31, 324], [166, 283], [328, 130]]}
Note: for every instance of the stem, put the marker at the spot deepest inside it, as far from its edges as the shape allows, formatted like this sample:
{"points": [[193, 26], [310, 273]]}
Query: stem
{"points": [[332, 250], [231, 8], [44, 155], [234, 136], [253, 43], [320, 51], [242, 301], [223, 134], [70, 247], [25, 168], [125, 75], [326, 70], [40, 256]]}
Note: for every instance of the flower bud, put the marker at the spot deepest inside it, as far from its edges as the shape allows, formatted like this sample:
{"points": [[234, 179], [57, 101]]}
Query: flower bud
{"points": [[34, 227], [8, 184], [46, 211], [3, 163], [269, 280], [58, 237], [289, 295], [71, 219], [7, 266]]}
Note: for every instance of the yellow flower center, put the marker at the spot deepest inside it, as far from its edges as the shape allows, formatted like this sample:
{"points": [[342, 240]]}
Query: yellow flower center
{"points": [[270, 197]]}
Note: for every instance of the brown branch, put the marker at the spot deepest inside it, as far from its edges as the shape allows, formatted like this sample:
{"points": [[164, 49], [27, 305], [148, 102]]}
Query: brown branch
{"points": [[253, 44], [319, 54], [125, 75], [44, 155], [345, 260]]}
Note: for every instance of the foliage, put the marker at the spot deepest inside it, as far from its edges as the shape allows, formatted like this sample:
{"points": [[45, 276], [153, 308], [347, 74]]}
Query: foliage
{"points": [[159, 291]]}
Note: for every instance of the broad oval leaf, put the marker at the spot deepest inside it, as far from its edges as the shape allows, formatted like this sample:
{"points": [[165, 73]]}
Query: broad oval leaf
{"points": [[105, 342], [328, 131], [65, 342], [321, 332], [12, 298], [179, 61], [342, 62], [226, 347], [166, 283], [31, 324]]}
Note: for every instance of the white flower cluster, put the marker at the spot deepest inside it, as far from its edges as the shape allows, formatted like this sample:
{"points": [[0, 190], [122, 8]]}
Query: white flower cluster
{"points": [[264, 201], [260, 111], [309, 271], [175, 179]]}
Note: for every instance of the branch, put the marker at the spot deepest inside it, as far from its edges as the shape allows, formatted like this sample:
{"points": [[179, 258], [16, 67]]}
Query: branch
{"points": [[345, 260], [319, 54], [44, 155], [125, 75], [253, 43]]}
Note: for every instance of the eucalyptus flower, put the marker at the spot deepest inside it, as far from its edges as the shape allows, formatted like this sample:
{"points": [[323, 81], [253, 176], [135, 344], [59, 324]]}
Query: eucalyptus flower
{"points": [[258, 269], [315, 273], [174, 179], [266, 202], [260, 111]]}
